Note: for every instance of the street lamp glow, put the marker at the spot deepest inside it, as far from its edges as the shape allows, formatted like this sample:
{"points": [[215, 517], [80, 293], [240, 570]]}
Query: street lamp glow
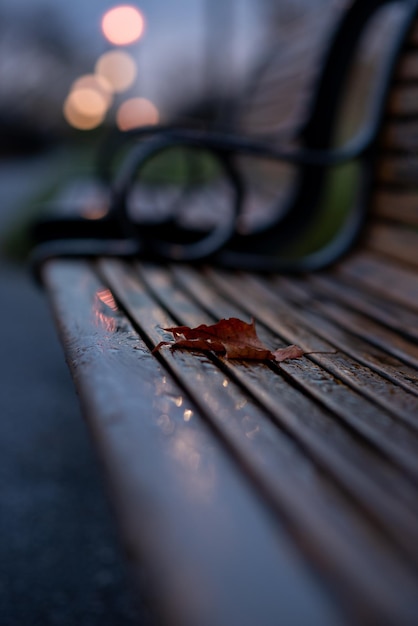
{"points": [[123, 25], [136, 112], [118, 68]]}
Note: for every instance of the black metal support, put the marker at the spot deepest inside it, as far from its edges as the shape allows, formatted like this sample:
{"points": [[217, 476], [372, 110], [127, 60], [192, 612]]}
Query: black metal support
{"points": [[259, 250]]}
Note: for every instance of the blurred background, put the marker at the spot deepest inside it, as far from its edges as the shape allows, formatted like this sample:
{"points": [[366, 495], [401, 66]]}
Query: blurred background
{"points": [[70, 72], [168, 54]]}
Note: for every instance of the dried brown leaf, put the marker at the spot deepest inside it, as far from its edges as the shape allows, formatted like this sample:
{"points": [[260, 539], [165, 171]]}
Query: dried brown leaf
{"points": [[233, 337]]}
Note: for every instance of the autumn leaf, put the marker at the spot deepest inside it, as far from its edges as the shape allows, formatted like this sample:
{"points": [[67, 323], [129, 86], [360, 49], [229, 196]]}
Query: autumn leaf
{"points": [[232, 337]]}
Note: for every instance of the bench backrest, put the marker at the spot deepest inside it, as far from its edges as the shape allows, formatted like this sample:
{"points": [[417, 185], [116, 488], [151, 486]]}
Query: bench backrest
{"points": [[394, 230], [349, 75]]}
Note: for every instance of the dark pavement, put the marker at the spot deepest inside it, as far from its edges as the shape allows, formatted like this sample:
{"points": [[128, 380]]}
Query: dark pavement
{"points": [[60, 563]]}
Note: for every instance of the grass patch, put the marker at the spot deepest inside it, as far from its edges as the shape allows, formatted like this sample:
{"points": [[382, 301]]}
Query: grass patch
{"points": [[337, 201], [179, 166]]}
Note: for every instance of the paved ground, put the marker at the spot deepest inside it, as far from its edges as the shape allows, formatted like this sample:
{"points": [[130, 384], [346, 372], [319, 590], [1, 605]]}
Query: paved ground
{"points": [[59, 559]]}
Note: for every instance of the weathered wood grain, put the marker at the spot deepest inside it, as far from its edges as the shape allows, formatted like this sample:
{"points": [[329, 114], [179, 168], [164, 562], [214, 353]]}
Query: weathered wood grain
{"points": [[256, 442], [377, 308], [381, 277], [265, 386], [297, 327], [188, 516], [395, 357]]}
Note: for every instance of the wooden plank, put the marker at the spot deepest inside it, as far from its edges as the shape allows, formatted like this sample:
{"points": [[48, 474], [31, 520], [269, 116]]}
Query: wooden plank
{"points": [[407, 69], [400, 171], [395, 357], [376, 308], [189, 518], [400, 206], [394, 241], [198, 374], [403, 101], [363, 415], [400, 136], [413, 36], [380, 277]]}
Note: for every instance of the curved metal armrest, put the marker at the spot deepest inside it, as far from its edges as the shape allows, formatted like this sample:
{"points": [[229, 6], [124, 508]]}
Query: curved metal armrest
{"points": [[211, 241]]}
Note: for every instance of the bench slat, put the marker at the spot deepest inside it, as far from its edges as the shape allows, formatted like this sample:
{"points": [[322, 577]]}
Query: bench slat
{"points": [[380, 277], [403, 102], [407, 69], [395, 241], [396, 357], [401, 206], [405, 323], [400, 136], [399, 172]]}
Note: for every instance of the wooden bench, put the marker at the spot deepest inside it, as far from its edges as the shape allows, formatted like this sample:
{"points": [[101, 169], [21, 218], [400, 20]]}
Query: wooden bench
{"points": [[260, 493]]}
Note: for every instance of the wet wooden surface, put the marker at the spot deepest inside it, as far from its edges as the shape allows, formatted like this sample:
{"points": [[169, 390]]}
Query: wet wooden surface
{"points": [[251, 492]]}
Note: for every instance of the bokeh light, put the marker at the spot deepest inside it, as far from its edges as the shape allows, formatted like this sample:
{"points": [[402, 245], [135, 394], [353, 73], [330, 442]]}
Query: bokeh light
{"points": [[118, 68], [88, 102], [123, 25], [96, 83], [91, 95], [78, 119], [85, 108], [136, 112]]}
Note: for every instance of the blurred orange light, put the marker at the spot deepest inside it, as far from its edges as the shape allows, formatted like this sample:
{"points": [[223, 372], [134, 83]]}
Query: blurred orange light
{"points": [[88, 102], [96, 83], [136, 112], [82, 119], [118, 68], [123, 25], [78, 120]]}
